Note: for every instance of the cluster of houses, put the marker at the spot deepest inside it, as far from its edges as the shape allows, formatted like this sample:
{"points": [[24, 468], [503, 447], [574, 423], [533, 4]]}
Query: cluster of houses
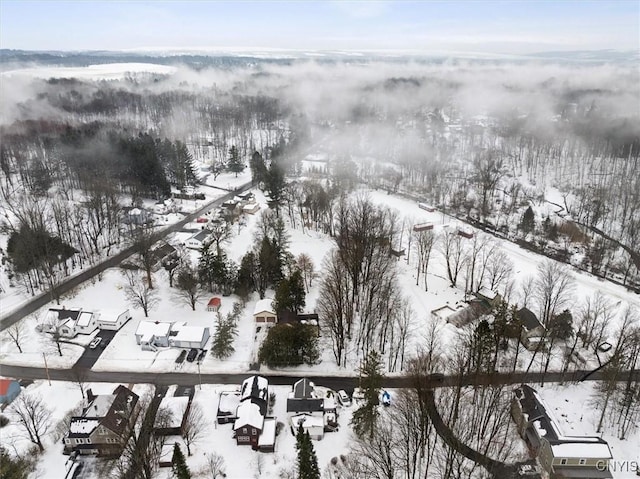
{"points": [[68, 323], [229, 212], [561, 456], [248, 410], [532, 332]]}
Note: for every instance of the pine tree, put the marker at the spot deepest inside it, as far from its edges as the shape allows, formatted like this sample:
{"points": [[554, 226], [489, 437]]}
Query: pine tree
{"points": [[307, 459], [528, 222], [222, 346], [235, 164], [258, 168], [365, 417], [180, 468]]}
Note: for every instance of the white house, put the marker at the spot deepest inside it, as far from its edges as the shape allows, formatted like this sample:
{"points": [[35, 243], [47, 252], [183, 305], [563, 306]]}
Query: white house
{"points": [[314, 425], [264, 312], [251, 208], [197, 240], [152, 334], [70, 322], [113, 321], [184, 336]]}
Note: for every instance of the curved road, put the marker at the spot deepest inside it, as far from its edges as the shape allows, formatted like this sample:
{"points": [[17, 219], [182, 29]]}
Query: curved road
{"points": [[70, 283]]}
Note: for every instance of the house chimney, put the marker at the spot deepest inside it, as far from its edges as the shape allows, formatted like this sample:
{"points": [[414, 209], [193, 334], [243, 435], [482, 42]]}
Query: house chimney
{"points": [[90, 395]]}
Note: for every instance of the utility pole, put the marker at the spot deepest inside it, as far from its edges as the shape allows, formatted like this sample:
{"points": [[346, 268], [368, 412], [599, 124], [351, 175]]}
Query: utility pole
{"points": [[199, 376], [46, 368]]}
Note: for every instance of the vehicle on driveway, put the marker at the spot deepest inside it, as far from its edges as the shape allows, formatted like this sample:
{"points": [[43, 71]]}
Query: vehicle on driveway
{"points": [[192, 355], [95, 342], [202, 355], [343, 398], [181, 356]]}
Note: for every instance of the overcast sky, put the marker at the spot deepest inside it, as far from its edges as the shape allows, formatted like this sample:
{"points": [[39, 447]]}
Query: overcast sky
{"points": [[420, 26]]}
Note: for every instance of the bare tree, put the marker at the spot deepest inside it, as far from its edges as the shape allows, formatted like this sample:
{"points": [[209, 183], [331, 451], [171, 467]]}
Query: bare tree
{"points": [[452, 250], [526, 290], [31, 412], [138, 292], [498, 269], [306, 266], [425, 241], [215, 465], [553, 288], [220, 231], [145, 256], [16, 332], [188, 288], [194, 427]]}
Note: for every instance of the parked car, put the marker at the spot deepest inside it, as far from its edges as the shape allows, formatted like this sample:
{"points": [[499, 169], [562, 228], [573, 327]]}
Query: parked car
{"points": [[192, 355], [343, 398], [181, 356], [201, 355], [95, 342]]}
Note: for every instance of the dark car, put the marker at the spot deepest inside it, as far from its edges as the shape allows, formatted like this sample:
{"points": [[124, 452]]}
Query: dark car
{"points": [[192, 355], [180, 358], [202, 355]]}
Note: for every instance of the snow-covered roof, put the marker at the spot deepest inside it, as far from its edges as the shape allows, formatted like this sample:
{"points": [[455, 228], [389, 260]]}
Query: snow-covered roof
{"points": [[229, 401], [100, 405], [83, 426], [307, 421], [188, 333], [148, 329], [254, 386], [264, 305], [84, 319], [582, 450], [177, 407], [268, 434], [248, 414], [487, 293]]}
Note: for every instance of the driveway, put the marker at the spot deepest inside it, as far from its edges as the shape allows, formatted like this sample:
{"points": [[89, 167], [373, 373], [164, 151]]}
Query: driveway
{"points": [[90, 356]]}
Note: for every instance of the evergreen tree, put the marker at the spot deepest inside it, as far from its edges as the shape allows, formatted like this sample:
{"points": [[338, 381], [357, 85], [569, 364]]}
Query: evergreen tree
{"points": [[528, 222], [246, 280], [13, 468], [307, 459], [290, 294], [222, 346], [275, 182], [269, 266], [365, 417], [235, 163], [290, 345], [180, 468], [258, 168]]}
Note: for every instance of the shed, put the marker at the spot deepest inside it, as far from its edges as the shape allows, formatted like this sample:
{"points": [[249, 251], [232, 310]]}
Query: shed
{"points": [[423, 227], [465, 233], [251, 208], [314, 425], [426, 207], [9, 390], [214, 304], [264, 312]]}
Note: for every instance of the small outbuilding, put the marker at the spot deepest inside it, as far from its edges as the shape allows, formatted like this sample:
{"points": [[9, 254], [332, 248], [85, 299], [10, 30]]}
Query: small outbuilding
{"points": [[214, 304], [264, 311]]}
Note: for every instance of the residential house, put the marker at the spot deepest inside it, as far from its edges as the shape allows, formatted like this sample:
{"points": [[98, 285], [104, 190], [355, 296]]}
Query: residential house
{"points": [[198, 240], [251, 208], [184, 336], [251, 414], [152, 334], [176, 403], [490, 297], [264, 311], [136, 216], [112, 321], [303, 399], [533, 332], [314, 425], [164, 255], [103, 427], [69, 323], [307, 319], [467, 313], [9, 390], [561, 456], [465, 233]]}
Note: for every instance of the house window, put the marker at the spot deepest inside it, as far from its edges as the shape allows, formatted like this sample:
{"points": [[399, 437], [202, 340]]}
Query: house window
{"points": [[243, 439], [583, 462], [88, 440], [563, 462], [67, 440], [244, 430], [254, 432]]}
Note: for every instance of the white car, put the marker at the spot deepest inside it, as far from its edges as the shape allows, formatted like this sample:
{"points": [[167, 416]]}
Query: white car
{"points": [[95, 342], [343, 398]]}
